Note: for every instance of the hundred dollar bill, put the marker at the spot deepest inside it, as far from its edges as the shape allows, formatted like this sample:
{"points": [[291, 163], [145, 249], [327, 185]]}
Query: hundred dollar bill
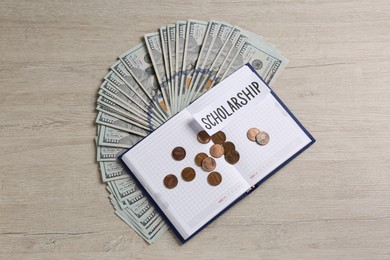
{"points": [[154, 46], [229, 57], [215, 66], [129, 99], [117, 203], [137, 61], [131, 92], [257, 39], [181, 27], [104, 118], [129, 219], [124, 75], [267, 65], [109, 104], [138, 128], [171, 30], [108, 154], [196, 31], [220, 39], [123, 101], [165, 52], [209, 38], [116, 138], [122, 72], [125, 188], [112, 171], [150, 227]]}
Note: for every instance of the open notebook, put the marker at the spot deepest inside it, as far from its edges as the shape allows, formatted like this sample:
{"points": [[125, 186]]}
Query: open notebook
{"points": [[191, 205]]}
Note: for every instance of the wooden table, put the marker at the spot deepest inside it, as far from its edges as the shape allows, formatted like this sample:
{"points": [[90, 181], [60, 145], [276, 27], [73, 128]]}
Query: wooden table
{"points": [[332, 202]]}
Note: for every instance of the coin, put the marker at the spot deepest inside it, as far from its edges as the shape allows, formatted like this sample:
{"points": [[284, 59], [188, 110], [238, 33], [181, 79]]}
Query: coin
{"points": [[219, 137], [199, 158], [232, 157], [262, 138], [188, 174], [203, 137], [178, 153], [170, 181], [216, 150], [214, 178], [209, 164], [251, 134], [228, 147]]}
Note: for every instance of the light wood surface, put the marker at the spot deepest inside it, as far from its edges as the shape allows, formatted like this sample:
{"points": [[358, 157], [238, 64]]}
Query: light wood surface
{"points": [[332, 202]]}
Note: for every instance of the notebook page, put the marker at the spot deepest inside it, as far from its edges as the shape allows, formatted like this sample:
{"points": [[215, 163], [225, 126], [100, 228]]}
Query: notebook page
{"points": [[244, 101], [286, 139], [190, 205]]}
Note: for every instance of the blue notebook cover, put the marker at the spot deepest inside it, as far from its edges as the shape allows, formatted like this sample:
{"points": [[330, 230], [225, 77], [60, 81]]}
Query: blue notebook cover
{"points": [[176, 232]]}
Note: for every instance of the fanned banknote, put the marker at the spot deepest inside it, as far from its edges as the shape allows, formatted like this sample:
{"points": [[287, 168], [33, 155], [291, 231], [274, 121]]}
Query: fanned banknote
{"points": [[153, 81]]}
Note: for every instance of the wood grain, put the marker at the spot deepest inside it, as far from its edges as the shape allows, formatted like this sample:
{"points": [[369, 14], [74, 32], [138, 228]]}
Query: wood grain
{"points": [[332, 202]]}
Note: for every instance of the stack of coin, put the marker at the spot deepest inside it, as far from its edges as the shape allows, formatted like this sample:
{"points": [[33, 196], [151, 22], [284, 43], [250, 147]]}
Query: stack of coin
{"points": [[220, 148], [223, 147], [255, 135]]}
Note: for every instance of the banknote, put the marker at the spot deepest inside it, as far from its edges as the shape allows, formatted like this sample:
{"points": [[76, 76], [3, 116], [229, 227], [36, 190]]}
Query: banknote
{"points": [[267, 65], [108, 154], [108, 104], [153, 44], [128, 100], [151, 230], [165, 52], [210, 36], [140, 98], [142, 218], [220, 39], [229, 57], [219, 59], [116, 138], [171, 29], [111, 171], [181, 27], [124, 188], [104, 118], [137, 61], [119, 104], [122, 72], [138, 128], [193, 42]]}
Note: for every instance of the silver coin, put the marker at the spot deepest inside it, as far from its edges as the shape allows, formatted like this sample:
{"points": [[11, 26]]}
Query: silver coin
{"points": [[262, 138]]}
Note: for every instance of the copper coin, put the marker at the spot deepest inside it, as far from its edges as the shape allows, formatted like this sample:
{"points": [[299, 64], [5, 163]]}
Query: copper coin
{"points": [[188, 174], [214, 178], [216, 150], [178, 153], [209, 164], [203, 137], [199, 159], [228, 147], [232, 157], [170, 181], [251, 134], [219, 137], [262, 138]]}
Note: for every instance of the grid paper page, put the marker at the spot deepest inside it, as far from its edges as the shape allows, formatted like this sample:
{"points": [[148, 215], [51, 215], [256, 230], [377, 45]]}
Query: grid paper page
{"points": [[286, 139], [189, 205]]}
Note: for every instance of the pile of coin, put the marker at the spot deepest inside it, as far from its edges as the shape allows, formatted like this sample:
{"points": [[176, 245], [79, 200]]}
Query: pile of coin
{"points": [[220, 148], [255, 135]]}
